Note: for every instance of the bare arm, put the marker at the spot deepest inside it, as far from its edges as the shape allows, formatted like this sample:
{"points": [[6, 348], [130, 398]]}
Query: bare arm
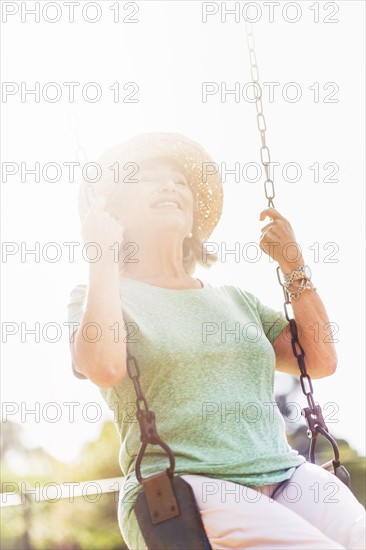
{"points": [[103, 359], [320, 353], [309, 310]]}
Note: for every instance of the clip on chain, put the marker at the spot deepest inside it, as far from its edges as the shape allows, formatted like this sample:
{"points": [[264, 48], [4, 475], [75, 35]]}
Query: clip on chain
{"points": [[146, 419], [313, 414]]}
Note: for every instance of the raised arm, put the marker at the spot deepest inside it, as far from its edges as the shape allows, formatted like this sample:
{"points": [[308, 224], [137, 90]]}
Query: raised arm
{"points": [[102, 360], [308, 308]]}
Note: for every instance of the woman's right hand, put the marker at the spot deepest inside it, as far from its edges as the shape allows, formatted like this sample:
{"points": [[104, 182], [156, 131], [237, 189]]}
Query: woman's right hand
{"points": [[102, 228]]}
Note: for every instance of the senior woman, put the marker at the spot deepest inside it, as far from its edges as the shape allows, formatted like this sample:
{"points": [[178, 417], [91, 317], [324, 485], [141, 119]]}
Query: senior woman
{"points": [[157, 201]]}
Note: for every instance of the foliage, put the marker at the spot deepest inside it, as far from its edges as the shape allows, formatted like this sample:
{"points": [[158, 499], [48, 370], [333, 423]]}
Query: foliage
{"points": [[86, 522]]}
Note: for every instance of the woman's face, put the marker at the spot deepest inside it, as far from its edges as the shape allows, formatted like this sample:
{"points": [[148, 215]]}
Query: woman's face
{"points": [[156, 196]]}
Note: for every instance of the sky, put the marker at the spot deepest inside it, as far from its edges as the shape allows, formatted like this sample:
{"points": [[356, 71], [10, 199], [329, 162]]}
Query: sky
{"points": [[160, 56]]}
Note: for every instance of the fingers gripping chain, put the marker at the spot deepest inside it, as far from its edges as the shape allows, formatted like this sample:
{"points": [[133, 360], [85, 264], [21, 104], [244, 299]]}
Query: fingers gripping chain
{"points": [[313, 414]]}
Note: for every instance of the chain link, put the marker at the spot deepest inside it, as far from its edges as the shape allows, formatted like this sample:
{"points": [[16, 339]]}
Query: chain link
{"points": [[146, 419], [313, 414], [74, 124], [80, 152], [261, 121]]}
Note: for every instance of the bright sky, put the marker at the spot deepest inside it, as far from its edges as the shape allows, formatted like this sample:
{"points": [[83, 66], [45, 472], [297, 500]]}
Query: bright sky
{"points": [[169, 53]]}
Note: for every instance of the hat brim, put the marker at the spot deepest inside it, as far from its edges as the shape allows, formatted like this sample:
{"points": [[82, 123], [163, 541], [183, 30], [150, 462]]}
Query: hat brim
{"points": [[202, 174]]}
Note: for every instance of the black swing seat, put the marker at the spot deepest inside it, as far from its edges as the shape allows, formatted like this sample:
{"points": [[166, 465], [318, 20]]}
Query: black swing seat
{"points": [[168, 516]]}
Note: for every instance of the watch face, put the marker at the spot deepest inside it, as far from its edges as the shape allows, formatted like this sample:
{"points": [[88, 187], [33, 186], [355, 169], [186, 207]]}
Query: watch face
{"points": [[307, 271]]}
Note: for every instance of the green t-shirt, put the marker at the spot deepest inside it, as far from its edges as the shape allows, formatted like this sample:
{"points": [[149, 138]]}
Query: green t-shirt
{"points": [[207, 371]]}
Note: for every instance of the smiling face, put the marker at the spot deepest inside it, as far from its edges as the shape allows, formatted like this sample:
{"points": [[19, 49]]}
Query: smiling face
{"points": [[158, 197]]}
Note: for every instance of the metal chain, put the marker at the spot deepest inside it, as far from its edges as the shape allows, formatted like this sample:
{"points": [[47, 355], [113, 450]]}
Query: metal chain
{"points": [[74, 124], [146, 419], [313, 414], [269, 189], [80, 152], [144, 415]]}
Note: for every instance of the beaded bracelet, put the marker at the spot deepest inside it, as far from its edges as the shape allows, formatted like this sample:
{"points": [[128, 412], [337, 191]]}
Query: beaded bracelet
{"points": [[307, 286]]}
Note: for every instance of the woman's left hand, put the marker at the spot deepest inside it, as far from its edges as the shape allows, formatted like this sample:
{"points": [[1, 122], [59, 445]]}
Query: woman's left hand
{"points": [[278, 241]]}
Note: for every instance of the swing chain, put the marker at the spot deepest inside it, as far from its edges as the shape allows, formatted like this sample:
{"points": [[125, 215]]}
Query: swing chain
{"points": [[265, 155], [270, 194], [146, 419], [313, 410], [313, 413], [74, 125], [80, 153]]}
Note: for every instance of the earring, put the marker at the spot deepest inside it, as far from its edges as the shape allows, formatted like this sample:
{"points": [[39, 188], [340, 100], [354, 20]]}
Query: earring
{"points": [[189, 236]]}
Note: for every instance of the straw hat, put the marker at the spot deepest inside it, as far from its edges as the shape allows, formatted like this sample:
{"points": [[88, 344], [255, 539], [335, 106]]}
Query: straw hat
{"points": [[202, 174]]}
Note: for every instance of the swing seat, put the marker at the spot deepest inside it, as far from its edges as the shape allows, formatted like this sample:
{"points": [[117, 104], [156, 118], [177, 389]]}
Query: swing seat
{"points": [[168, 516]]}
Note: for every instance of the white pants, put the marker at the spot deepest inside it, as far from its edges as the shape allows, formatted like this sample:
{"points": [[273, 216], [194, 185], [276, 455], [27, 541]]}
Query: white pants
{"points": [[313, 509]]}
